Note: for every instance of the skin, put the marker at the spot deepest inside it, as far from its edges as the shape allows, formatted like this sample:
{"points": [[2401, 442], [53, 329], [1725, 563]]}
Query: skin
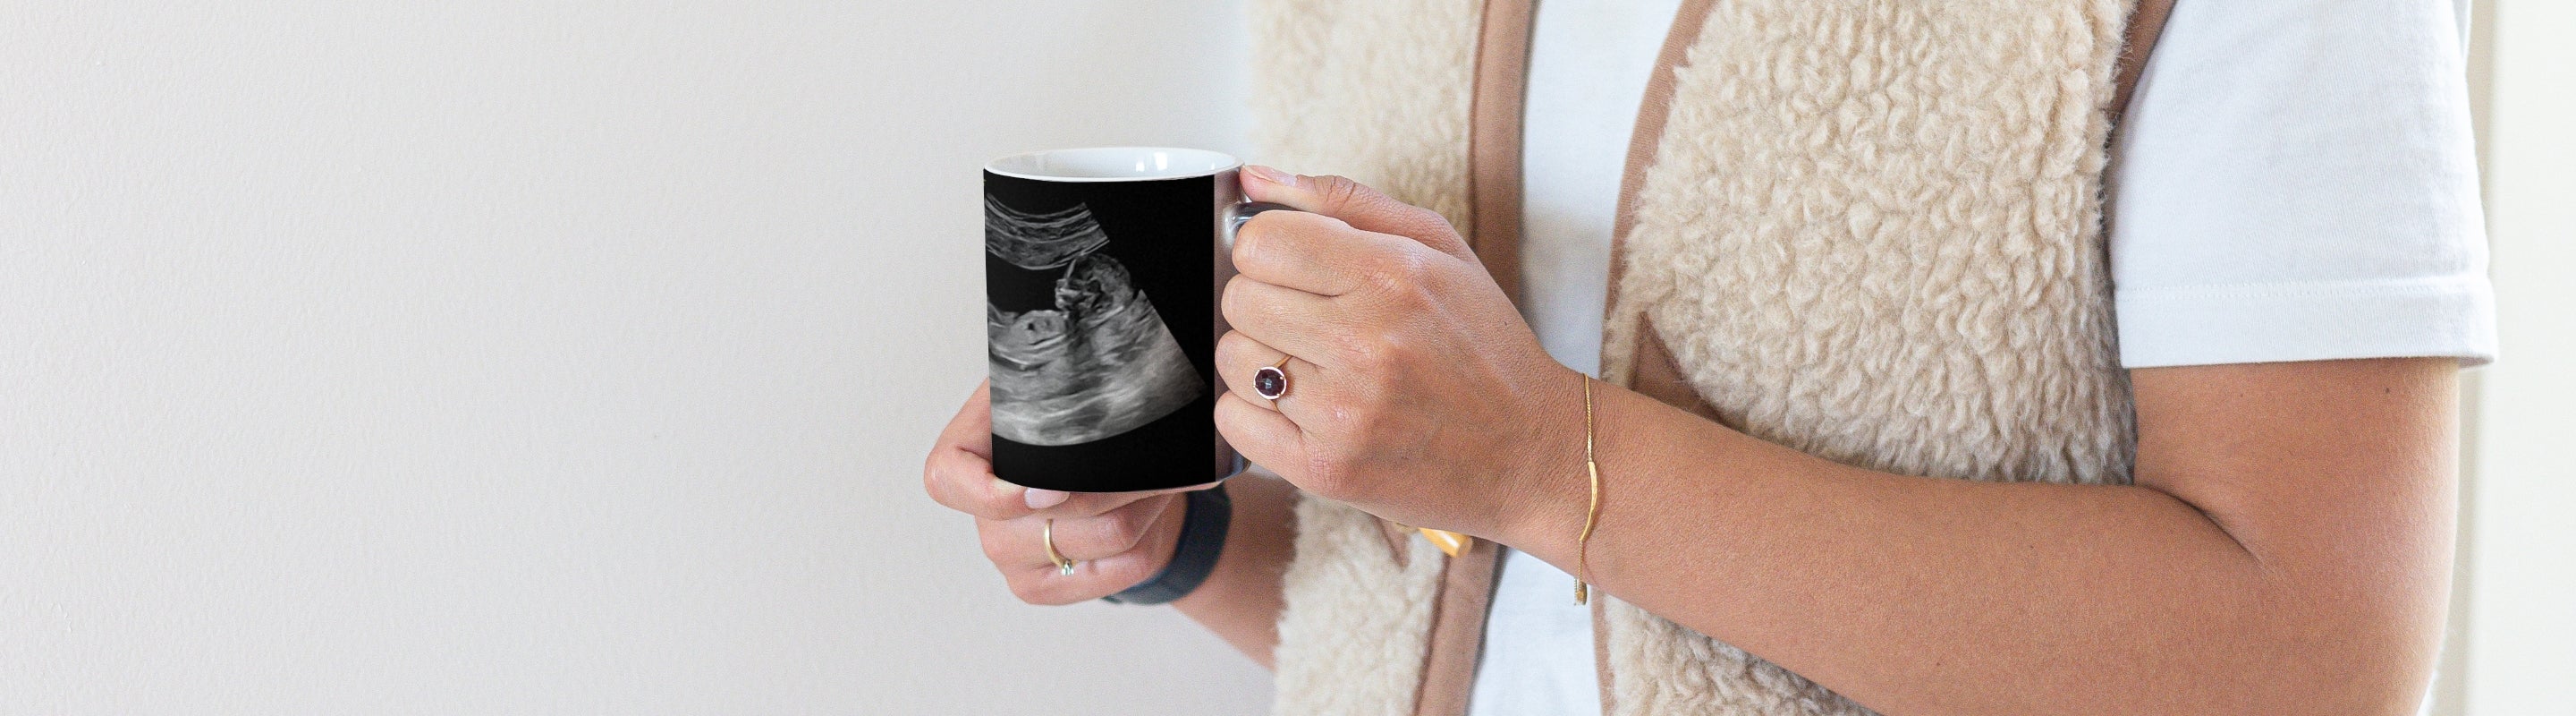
{"points": [[2285, 548], [1120, 539]]}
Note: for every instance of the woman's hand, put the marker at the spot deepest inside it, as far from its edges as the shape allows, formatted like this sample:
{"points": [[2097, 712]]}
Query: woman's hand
{"points": [[1119, 539], [1416, 391]]}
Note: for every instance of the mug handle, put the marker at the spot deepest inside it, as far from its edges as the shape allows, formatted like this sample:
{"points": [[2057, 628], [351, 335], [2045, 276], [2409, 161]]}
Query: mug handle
{"points": [[1236, 215], [1234, 218]]}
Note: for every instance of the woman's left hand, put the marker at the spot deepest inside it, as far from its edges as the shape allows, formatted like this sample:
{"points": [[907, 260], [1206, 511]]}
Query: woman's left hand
{"points": [[1416, 391]]}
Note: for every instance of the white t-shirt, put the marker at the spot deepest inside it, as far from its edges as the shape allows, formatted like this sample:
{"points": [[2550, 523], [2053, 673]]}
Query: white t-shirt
{"points": [[2295, 181]]}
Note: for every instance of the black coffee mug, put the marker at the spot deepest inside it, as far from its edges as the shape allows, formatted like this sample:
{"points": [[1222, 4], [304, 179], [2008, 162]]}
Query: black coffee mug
{"points": [[1102, 269]]}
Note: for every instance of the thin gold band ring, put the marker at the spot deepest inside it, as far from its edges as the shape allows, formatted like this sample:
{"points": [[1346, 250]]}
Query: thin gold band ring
{"points": [[1062, 566]]}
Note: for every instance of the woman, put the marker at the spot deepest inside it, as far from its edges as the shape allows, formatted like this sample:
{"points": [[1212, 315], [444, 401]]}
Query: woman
{"points": [[1866, 433]]}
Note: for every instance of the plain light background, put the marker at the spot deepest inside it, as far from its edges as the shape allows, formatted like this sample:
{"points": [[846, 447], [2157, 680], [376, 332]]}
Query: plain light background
{"points": [[2513, 637], [508, 357], [494, 357]]}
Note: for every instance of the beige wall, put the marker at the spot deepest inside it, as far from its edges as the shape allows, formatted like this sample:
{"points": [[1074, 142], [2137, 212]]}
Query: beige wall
{"points": [[562, 357], [2515, 630]]}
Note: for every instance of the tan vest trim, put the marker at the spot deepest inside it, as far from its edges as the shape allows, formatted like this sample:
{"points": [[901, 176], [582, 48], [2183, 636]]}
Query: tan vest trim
{"points": [[1458, 630], [2146, 24], [1494, 232], [1399, 541], [1642, 145], [1494, 140], [1601, 655], [1649, 133]]}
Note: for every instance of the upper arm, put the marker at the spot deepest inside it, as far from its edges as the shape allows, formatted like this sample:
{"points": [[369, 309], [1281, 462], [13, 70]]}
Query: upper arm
{"points": [[2338, 477], [2296, 196]]}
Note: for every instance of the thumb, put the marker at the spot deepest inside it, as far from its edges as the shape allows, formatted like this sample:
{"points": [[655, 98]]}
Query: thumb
{"points": [[1356, 204]]}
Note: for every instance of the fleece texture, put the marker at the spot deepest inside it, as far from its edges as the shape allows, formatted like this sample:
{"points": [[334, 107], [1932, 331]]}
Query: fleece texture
{"points": [[1353, 638], [1872, 231], [1378, 91], [1374, 90]]}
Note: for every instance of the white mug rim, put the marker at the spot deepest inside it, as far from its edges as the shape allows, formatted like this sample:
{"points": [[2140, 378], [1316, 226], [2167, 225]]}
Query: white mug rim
{"points": [[1143, 164]]}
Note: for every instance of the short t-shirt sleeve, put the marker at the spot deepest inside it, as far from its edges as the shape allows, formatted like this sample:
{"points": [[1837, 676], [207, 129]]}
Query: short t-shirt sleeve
{"points": [[2296, 180]]}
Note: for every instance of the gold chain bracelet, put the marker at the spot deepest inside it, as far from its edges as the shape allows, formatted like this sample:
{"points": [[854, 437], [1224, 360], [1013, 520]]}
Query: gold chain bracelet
{"points": [[1583, 542]]}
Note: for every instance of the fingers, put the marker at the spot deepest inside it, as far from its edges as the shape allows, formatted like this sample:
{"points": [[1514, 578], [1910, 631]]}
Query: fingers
{"points": [[1363, 208], [1263, 436], [1111, 551], [972, 428], [1238, 356], [959, 474], [1283, 319], [965, 483], [1309, 252], [1093, 579], [1083, 539]]}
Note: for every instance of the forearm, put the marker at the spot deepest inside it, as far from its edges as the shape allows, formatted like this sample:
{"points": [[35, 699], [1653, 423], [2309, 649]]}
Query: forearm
{"points": [[1917, 595], [1242, 597]]}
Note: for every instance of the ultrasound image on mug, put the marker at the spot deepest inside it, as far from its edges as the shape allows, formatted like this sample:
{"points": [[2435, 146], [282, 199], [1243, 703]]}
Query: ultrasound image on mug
{"points": [[1097, 363], [1100, 312]]}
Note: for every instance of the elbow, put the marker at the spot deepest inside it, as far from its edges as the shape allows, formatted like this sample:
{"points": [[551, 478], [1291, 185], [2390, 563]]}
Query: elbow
{"points": [[2332, 646]]}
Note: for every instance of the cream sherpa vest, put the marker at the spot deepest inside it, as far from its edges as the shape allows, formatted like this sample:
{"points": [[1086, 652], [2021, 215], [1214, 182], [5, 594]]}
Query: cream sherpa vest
{"points": [[1870, 230]]}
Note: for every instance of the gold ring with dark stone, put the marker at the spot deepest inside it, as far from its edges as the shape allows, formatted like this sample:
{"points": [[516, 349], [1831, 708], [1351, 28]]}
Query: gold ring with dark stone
{"points": [[1271, 381]]}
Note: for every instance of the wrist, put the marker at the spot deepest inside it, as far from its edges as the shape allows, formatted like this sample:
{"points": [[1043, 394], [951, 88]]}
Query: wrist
{"points": [[1547, 497], [1206, 516]]}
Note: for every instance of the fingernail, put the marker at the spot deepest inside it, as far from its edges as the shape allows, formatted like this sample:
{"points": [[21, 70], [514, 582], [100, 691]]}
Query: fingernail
{"points": [[1042, 499], [1273, 176]]}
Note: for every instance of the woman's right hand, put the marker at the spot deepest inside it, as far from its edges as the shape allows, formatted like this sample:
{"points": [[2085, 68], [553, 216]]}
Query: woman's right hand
{"points": [[1119, 539]]}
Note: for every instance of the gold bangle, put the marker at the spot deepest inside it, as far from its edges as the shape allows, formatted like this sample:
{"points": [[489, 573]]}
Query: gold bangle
{"points": [[1592, 514]]}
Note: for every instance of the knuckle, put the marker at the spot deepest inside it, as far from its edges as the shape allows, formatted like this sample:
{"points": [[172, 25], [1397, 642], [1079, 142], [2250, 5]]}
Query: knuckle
{"points": [[1230, 348], [1355, 351], [1365, 413], [1374, 353], [1252, 242], [1131, 572], [1336, 189], [1002, 506], [1393, 348], [996, 544], [1432, 229], [1028, 591], [1230, 302], [1403, 276], [946, 477], [1417, 267], [1122, 529], [938, 478], [1429, 223]]}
